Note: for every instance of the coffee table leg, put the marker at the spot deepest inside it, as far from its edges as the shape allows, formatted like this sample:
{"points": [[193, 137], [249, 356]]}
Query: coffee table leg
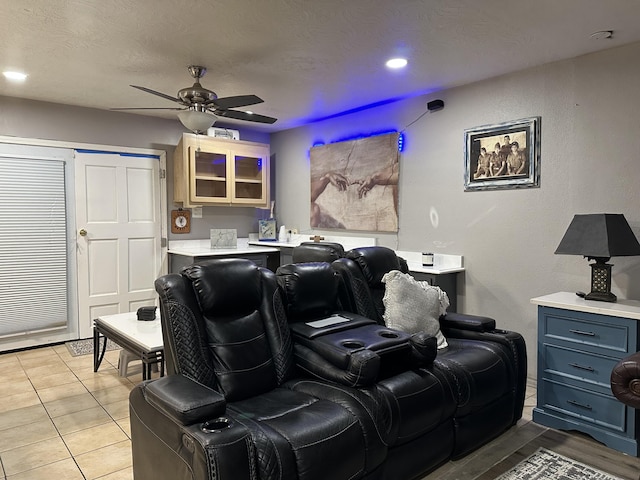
{"points": [[146, 371], [97, 356]]}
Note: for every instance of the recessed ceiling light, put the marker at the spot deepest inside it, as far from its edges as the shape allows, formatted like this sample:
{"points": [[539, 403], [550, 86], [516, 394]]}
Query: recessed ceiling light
{"points": [[602, 34], [397, 63], [17, 76]]}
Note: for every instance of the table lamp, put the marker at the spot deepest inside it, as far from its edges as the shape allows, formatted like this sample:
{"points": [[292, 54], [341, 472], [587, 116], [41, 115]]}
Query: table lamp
{"points": [[599, 237]]}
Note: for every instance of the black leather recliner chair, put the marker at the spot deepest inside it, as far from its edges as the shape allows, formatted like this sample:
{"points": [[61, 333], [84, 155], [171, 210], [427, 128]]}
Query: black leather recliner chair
{"points": [[232, 405], [488, 366], [420, 401], [317, 252], [625, 380]]}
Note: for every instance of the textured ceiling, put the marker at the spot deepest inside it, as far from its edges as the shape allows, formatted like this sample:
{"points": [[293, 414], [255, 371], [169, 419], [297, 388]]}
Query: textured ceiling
{"points": [[307, 59]]}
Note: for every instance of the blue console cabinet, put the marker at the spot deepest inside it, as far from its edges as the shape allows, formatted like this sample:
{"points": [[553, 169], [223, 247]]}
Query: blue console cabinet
{"points": [[579, 342]]}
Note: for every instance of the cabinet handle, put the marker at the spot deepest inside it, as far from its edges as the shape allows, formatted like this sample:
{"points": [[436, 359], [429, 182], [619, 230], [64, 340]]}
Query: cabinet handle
{"points": [[582, 367], [581, 405], [580, 332]]}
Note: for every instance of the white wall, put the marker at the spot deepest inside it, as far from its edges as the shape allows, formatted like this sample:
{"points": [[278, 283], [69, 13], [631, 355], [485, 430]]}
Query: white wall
{"points": [[50, 121], [590, 163]]}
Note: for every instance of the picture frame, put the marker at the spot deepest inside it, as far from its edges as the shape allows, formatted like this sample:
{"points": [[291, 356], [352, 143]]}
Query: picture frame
{"points": [[502, 156], [267, 230], [355, 184]]}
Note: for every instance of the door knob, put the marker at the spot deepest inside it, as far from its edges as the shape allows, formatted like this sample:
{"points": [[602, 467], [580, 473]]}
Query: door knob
{"points": [[83, 232]]}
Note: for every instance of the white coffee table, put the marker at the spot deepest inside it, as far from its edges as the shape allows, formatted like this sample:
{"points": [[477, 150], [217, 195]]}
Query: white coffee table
{"points": [[143, 338]]}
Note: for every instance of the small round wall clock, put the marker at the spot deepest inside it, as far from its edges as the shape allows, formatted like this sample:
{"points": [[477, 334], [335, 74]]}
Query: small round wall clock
{"points": [[180, 221]]}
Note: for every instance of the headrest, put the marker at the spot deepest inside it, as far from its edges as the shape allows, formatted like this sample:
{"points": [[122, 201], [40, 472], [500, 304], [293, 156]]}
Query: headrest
{"points": [[226, 286], [310, 289], [375, 262], [317, 252]]}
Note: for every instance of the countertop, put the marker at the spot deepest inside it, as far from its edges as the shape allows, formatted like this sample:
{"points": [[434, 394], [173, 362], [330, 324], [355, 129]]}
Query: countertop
{"points": [[571, 301], [202, 248], [442, 263], [347, 242]]}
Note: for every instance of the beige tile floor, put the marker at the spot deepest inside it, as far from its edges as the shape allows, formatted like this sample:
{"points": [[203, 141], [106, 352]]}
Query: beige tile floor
{"points": [[60, 420]]}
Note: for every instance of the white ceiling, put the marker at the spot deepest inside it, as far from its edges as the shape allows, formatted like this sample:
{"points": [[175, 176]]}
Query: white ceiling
{"points": [[308, 59]]}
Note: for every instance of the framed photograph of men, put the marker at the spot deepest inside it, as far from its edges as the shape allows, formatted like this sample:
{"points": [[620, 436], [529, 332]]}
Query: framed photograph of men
{"points": [[501, 156]]}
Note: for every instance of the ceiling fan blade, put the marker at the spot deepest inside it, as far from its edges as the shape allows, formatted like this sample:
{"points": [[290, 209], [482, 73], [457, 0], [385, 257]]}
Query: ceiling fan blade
{"points": [[237, 101], [159, 94], [150, 108], [249, 117]]}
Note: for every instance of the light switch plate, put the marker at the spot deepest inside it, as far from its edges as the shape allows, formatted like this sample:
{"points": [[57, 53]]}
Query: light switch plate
{"points": [[196, 212]]}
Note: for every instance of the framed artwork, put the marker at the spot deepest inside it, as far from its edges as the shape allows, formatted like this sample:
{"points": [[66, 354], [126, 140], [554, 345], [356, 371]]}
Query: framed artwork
{"points": [[354, 184], [501, 156]]}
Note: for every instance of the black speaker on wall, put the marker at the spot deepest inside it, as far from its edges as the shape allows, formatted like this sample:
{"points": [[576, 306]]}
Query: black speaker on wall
{"points": [[435, 105]]}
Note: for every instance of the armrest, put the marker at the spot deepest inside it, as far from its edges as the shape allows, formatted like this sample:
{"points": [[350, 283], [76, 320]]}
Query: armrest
{"points": [[361, 368], [184, 400], [424, 348], [361, 355], [337, 322], [467, 322], [512, 344], [625, 380]]}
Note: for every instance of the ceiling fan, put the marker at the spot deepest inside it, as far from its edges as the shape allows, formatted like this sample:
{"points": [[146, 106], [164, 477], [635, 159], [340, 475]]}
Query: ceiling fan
{"points": [[200, 106]]}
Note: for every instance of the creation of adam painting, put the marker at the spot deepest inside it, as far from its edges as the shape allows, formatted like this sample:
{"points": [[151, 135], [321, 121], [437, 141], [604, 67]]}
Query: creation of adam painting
{"points": [[354, 184]]}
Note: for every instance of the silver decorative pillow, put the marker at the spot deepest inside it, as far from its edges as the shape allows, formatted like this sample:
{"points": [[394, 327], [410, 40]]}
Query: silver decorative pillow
{"points": [[413, 306]]}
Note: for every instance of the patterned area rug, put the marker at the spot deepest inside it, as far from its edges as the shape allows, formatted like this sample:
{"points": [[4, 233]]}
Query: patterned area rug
{"points": [[85, 347], [545, 464]]}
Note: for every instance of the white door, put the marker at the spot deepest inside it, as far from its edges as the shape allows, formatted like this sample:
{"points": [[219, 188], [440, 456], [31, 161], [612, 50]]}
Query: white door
{"points": [[118, 231]]}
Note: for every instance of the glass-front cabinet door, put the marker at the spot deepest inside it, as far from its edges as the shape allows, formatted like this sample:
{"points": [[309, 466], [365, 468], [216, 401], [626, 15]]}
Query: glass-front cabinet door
{"points": [[249, 173], [210, 175], [214, 171]]}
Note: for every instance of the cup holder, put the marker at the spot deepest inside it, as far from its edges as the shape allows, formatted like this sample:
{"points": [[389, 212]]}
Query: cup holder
{"points": [[352, 344], [216, 425], [388, 334]]}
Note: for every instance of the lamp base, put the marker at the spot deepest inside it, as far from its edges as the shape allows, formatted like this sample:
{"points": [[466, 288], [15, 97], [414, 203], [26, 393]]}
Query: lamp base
{"points": [[601, 281], [601, 296]]}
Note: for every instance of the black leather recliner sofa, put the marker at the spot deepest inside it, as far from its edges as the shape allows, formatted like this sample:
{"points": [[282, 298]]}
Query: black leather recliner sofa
{"points": [[418, 400], [230, 407], [487, 366], [253, 392]]}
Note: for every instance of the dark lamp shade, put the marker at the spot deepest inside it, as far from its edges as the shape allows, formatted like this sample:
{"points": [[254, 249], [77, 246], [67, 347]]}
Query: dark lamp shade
{"points": [[599, 235]]}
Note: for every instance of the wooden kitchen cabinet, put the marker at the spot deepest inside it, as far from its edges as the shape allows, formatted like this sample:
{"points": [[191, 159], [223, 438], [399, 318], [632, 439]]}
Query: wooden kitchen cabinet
{"points": [[218, 171]]}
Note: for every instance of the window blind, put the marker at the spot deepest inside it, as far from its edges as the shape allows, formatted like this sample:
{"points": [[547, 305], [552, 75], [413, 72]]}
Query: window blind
{"points": [[33, 246]]}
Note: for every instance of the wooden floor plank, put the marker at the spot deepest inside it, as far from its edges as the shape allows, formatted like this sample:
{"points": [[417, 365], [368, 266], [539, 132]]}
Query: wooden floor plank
{"points": [[506, 451]]}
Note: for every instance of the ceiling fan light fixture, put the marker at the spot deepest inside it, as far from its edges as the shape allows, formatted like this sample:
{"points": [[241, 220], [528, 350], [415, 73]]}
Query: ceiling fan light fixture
{"points": [[197, 122]]}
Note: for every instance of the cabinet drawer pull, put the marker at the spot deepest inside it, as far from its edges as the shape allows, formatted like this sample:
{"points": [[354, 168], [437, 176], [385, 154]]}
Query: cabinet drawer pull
{"points": [[582, 367], [581, 405], [581, 332]]}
